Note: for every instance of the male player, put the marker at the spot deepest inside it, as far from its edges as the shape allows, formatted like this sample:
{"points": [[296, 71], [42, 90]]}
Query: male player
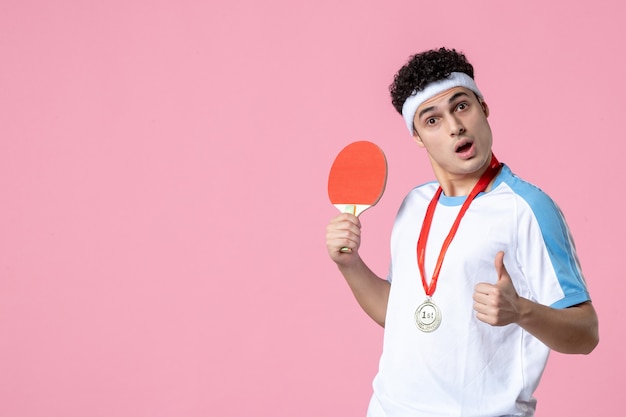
{"points": [[484, 278]]}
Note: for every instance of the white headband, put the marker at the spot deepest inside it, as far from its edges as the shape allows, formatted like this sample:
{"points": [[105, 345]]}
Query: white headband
{"points": [[456, 79]]}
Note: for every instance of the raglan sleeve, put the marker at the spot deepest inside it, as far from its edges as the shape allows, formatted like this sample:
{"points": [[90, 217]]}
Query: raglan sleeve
{"points": [[547, 254]]}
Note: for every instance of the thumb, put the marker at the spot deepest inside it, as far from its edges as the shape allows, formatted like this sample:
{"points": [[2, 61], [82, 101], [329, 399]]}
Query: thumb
{"points": [[500, 268]]}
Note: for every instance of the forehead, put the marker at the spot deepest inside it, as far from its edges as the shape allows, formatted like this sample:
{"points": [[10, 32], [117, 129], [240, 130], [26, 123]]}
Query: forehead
{"points": [[444, 98]]}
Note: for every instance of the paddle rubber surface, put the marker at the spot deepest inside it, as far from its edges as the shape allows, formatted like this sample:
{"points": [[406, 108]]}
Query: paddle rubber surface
{"points": [[358, 175]]}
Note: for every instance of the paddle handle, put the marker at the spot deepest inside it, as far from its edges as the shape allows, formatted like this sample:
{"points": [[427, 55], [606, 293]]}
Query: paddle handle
{"points": [[355, 209]]}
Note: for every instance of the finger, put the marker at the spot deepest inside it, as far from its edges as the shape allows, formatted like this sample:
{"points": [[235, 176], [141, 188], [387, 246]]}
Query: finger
{"points": [[490, 301], [499, 264], [485, 313], [483, 288], [341, 240], [480, 297], [486, 318], [342, 231], [347, 217], [482, 309], [344, 237]]}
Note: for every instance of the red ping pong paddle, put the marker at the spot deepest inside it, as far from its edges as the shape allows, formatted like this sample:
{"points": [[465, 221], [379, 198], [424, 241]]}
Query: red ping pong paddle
{"points": [[357, 177]]}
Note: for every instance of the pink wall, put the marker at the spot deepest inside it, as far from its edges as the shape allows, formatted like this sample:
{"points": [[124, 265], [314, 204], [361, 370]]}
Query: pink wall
{"points": [[162, 192]]}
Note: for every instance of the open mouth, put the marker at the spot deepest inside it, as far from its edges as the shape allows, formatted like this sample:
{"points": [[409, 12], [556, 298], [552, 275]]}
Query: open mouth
{"points": [[464, 147]]}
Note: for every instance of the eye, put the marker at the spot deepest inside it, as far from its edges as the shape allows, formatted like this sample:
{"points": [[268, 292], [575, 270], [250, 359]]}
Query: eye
{"points": [[462, 106], [431, 121]]}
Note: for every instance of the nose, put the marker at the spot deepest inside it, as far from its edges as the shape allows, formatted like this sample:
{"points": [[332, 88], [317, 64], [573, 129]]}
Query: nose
{"points": [[456, 127]]}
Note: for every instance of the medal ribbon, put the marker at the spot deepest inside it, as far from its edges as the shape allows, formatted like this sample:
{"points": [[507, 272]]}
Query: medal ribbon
{"points": [[485, 179]]}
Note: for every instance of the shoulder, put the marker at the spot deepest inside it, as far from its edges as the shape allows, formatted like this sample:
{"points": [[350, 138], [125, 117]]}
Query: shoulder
{"points": [[536, 210], [420, 193], [415, 202], [537, 200]]}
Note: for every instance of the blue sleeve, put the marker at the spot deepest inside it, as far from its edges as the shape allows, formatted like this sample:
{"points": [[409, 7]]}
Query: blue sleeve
{"points": [[558, 243]]}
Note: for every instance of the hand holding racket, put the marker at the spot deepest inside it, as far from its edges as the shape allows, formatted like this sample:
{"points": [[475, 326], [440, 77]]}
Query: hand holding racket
{"points": [[357, 178]]}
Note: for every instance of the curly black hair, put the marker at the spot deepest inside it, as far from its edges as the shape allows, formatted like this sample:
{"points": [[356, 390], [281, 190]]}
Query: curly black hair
{"points": [[424, 68]]}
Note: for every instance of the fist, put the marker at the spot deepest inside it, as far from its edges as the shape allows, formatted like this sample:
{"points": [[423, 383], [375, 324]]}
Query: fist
{"points": [[343, 238]]}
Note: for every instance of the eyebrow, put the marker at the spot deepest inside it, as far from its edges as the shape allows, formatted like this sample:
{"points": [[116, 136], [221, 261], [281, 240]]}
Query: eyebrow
{"points": [[450, 100]]}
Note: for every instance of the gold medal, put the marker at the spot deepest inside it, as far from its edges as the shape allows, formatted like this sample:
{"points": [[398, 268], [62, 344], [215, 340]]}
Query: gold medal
{"points": [[427, 316]]}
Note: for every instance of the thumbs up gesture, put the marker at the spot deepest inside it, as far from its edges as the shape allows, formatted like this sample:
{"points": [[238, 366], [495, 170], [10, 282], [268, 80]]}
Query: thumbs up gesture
{"points": [[497, 304]]}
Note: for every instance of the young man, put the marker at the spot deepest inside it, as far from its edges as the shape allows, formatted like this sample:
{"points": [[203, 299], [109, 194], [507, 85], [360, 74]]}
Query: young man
{"points": [[484, 278]]}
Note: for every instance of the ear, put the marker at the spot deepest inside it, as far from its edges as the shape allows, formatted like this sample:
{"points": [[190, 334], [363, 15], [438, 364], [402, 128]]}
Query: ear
{"points": [[485, 107], [417, 139]]}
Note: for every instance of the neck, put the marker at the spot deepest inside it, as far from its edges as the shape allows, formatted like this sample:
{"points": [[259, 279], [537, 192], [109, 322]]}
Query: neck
{"points": [[457, 185]]}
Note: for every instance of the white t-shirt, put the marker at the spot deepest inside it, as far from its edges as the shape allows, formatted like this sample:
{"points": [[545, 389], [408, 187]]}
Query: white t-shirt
{"points": [[466, 367]]}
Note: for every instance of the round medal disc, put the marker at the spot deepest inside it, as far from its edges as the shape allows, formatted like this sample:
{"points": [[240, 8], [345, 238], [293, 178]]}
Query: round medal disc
{"points": [[427, 316]]}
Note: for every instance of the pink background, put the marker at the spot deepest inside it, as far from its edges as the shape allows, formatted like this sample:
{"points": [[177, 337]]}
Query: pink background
{"points": [[163, 198]]}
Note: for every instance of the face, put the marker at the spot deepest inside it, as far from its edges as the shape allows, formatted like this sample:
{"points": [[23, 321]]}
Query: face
{"points": [[452, 126]]}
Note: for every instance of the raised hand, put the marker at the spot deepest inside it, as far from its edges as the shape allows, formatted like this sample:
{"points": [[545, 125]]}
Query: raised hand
{"points": [[497, 304]]}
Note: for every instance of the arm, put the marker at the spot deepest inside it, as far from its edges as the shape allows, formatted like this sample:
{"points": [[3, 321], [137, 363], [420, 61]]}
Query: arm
{"points": [[568, 330], [371, 292]]}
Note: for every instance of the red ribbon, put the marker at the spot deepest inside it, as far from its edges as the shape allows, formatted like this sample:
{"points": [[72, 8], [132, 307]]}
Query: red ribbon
{"points": [[481, 185]]}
